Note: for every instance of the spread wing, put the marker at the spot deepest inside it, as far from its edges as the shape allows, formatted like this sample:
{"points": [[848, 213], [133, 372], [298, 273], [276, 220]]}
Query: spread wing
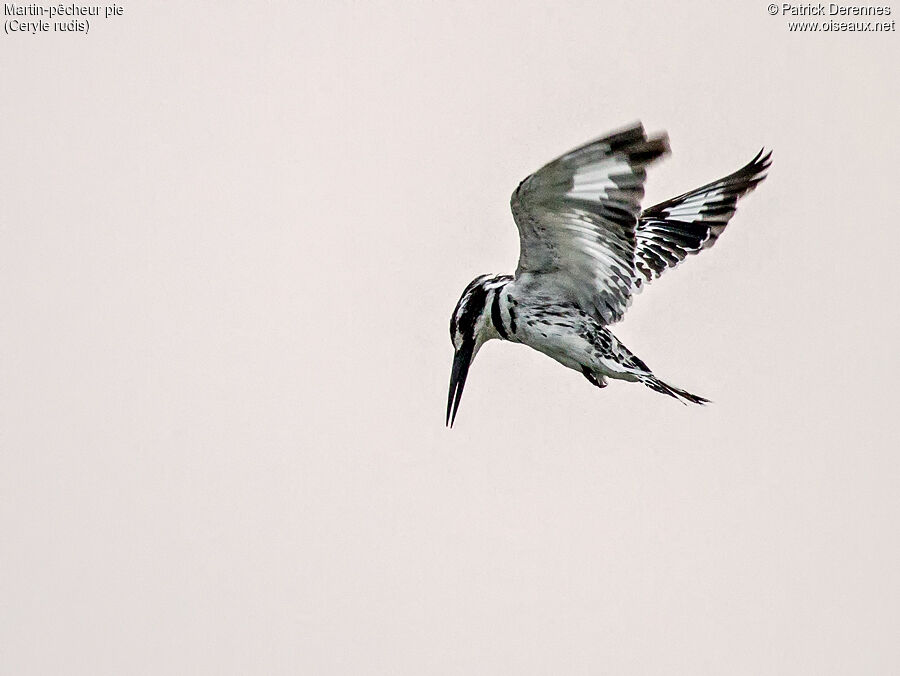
{"points": [[687, 224], [577, 217]]}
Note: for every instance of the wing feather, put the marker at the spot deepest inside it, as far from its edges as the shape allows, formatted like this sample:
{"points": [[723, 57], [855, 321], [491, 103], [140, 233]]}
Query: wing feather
{"points": [[577, 218], [670, 231]]}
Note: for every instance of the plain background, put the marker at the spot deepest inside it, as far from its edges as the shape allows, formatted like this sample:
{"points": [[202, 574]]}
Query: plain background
{"points": [[232, 236]]}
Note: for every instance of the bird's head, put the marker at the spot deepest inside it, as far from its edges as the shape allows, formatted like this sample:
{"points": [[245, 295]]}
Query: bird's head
{"points": [[470, 328]]}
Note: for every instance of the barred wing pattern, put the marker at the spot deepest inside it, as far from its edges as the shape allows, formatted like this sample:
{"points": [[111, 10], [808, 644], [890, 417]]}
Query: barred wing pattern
{"points": [[692, 222], [577, 218]]}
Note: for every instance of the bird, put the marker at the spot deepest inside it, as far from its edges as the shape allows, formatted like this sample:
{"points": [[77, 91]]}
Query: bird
{"points": [[585, 249]]}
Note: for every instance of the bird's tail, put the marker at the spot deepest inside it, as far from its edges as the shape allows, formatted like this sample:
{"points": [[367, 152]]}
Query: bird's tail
{"points": [[683, 396]]}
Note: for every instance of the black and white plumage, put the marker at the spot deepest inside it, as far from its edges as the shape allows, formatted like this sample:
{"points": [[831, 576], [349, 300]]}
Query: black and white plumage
{"points": [[585, 249]]}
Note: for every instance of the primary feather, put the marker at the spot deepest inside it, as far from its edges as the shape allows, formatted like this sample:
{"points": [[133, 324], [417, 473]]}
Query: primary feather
{"points": [[668, 232]]}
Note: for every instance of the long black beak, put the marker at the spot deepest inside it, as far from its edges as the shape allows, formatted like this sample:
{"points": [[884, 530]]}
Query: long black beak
{"points": [[461, 361]]}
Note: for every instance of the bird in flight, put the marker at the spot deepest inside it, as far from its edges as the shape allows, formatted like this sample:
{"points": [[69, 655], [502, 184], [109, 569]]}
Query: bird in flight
{"points": [[585, 248]]}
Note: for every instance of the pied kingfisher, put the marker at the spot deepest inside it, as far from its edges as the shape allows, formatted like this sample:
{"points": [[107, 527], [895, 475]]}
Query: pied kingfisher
{"points": [[585, 248]]}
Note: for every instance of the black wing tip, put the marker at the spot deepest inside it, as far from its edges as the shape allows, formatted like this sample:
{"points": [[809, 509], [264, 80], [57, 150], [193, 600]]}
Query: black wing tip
{"points": [[648, 150], [757, 165], [750, 175], [638, 148], [632, 139], [625, 135], [743, 180]]}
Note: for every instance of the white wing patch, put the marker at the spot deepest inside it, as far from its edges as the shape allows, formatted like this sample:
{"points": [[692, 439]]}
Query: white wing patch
{"points": [[602, 180]]}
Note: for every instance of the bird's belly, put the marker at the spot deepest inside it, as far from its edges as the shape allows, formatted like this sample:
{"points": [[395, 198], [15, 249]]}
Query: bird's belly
{"points": [[565, 345]]}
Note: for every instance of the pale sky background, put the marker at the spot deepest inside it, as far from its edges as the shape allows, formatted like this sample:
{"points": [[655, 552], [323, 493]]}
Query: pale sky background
{"points": [[231, 238]]}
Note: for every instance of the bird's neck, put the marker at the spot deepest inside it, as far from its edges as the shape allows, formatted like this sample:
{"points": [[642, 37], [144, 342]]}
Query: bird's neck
{"points": [[500, 309]]}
